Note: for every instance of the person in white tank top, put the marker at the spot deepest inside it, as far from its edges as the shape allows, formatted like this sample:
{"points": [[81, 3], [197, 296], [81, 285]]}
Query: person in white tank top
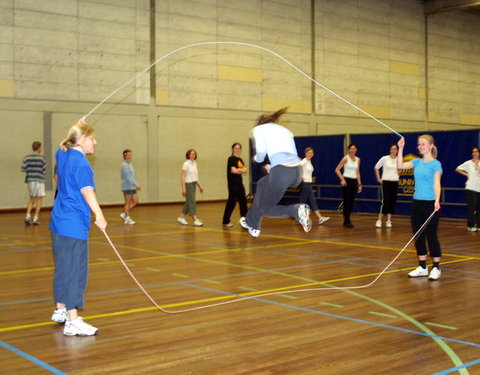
{"points": [[350, 181], [389, 182]]}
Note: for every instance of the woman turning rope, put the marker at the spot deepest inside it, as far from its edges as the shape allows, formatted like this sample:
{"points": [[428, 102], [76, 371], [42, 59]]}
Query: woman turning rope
{"points": [[427, 172]]}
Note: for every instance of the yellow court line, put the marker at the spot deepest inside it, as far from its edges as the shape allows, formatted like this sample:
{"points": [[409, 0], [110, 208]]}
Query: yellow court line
{"points": [[220, 298]]}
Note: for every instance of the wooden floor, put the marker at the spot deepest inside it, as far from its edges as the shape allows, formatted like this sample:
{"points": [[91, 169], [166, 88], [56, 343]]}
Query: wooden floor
{"points": [[396, 326]]}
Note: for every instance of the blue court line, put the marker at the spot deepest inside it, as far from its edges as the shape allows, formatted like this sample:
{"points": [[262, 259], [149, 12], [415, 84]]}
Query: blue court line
{"points": [[342, 317], [454, 369], [44, 365]]}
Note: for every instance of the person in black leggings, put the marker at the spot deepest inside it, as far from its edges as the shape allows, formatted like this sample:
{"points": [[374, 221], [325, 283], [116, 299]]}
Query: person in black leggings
{"points": [[236, 191]]}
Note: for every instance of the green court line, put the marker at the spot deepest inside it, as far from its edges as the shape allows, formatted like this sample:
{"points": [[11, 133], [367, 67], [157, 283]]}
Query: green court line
{"points": [[180, 275], [211, 281], [152, 269], [382, 314], [441, 325], [331, 304], [103, 259]]}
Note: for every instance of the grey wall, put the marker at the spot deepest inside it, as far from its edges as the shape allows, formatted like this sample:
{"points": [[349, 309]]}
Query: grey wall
{"points": [[62, 57]]}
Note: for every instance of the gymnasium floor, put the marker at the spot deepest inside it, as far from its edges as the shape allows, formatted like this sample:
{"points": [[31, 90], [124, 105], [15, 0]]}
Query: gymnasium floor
{"points": [[396, 326]]}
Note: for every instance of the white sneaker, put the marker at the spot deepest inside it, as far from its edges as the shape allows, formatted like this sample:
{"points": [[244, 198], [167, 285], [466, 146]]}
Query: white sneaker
{"points": [[182, 221], [322, 220], [243, 223], [388, 224], [435, 274], [129, 221], [197, 223], [472, 229], [78, 327], [28, 220], [123, 215], [418, 272], [252, 232], [304, 217], [228, 225], [378, 224], [59, 315], [35, 220]]}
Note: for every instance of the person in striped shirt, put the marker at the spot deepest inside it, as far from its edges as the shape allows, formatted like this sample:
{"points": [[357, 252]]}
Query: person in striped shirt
{"points": [[35, 168]]}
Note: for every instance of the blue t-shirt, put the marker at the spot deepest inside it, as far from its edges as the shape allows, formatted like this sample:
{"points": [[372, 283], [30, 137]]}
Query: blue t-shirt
{"points": [[424, 173], [70, 215]]}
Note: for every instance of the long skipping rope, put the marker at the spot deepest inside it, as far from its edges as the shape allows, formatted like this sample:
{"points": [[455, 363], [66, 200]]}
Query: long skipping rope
{"points": [[245, 298]]}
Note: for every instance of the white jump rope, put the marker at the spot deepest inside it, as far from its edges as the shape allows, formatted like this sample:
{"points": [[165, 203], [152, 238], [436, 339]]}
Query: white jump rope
{"points": [[245, 298]]}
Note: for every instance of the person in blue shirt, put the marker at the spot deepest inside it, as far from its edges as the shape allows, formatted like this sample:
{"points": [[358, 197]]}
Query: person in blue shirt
{"points": [[427, 172], [70, 224]]}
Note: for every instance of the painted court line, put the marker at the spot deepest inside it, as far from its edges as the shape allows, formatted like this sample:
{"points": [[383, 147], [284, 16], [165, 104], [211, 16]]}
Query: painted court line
{"points": [[180, 275], [32, 359], [455, 369], [382, 314], [331, 304], [441, 325]]}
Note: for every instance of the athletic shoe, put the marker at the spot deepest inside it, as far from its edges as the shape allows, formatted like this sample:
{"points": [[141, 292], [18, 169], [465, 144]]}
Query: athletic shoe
{"points": [[35, 220], [197, 223], [418, 272], [78, 327], [435, 274], [472, 229], [128, 220], [322, 220], [59, 315], [28, 220], [228, 225], [182, 221], [123, 215], [378, 224], [243, 223], [388, 224], [304, 217], [252, 232]]}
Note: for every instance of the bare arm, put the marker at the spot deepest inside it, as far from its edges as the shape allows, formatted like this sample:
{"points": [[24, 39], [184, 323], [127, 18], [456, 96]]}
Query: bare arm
{"points": [[438, 189], [91, 199], [400, 163], [462, 172], [200, 186], [338, 171], [238, 170], [184, 189], [377, 175], [359, 179]]}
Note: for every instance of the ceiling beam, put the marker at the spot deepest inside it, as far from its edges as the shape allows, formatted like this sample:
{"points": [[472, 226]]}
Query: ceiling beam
{"points": [[439, 6]]}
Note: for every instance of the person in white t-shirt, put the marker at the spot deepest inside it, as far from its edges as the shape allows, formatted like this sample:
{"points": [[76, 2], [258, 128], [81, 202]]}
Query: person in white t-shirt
{"points": [[350, 181], [306, 193], [389, 182], [190, 182], [471, 170]]}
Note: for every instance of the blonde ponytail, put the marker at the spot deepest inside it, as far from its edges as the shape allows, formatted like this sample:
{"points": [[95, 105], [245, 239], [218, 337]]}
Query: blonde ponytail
{"points": [[76, 132]]}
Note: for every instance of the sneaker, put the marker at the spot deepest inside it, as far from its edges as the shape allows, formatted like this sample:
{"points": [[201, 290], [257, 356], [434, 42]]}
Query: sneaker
{"points": [[228, 225], [123, 215], [472, 229], [182, 221], [35, 220], [243, 223], [253, 232], [197, 223], [388, 224], [28, 220], [378, 224], [435, 274], [78, 327], [59, 315], [128, 220], [418, 272], [322, 220], [304, 217]]}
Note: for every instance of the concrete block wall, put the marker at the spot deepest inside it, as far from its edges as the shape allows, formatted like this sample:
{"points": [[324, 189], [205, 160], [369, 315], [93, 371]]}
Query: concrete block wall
{"points": [[63, 57]]}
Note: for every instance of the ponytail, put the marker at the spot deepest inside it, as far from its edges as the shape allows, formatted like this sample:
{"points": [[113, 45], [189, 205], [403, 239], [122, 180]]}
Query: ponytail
{"points": [[76, 132], [265, 119]]}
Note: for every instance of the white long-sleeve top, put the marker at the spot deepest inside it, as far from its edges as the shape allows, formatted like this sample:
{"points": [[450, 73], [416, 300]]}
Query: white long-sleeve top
{"points": [[277, 142]]}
